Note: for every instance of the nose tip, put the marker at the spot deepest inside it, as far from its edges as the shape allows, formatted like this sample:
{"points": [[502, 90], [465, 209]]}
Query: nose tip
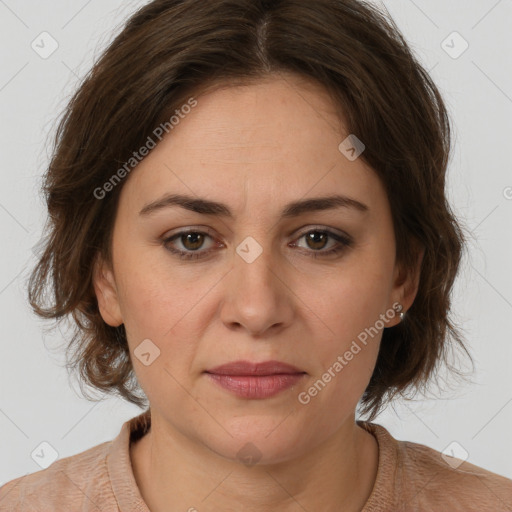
{"points": [[256, 298]]}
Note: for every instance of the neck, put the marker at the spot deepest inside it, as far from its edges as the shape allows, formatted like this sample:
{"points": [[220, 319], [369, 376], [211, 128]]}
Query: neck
{"points": [[170, 468]]}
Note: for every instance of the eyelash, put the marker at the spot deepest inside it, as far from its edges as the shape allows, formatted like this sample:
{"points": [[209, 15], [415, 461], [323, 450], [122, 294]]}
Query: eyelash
{"points": [[345, 242]]}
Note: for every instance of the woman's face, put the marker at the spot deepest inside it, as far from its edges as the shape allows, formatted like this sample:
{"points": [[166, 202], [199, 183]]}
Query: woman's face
{"points": [[259, 285]]}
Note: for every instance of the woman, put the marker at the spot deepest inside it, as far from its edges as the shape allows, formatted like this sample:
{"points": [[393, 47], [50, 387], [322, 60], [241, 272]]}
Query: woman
{"points": [[249, 226]]}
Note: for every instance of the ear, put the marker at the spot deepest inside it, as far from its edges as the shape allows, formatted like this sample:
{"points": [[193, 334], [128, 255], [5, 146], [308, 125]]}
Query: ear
{"points": [[106, 293], [406, 284]]}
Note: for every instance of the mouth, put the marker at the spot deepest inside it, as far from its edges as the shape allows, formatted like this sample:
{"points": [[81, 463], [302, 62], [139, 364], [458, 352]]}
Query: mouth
{"points": [[255, 380], [248, 368]]}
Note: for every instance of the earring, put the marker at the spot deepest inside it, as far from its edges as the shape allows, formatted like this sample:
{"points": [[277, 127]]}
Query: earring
{"points": [[399, 310]]}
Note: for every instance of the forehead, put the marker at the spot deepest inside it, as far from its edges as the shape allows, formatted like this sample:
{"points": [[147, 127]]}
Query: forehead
{"points": [[264, 142], [266, 118]]}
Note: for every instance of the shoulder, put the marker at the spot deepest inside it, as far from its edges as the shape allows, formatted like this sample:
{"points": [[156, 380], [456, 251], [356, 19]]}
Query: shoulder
{"points": [[439, 479], [422, 478], [70, 483]]}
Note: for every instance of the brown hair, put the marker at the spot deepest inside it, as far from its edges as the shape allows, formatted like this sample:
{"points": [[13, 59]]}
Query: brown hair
{"points": [[171, 49]]}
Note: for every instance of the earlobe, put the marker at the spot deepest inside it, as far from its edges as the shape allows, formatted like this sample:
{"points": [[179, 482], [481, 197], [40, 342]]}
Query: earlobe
{"points": [[407, 282], [106, 293], [413, 280]]}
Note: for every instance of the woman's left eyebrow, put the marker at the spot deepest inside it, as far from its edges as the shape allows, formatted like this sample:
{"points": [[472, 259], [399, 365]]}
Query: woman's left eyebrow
{"points": [[293, 209]]}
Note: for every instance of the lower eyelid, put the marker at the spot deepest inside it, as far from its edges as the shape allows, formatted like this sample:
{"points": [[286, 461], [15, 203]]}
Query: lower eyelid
{"points": [[335, 237], [342, 242]]}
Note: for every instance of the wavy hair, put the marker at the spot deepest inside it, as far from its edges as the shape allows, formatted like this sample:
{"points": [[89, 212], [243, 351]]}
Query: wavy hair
{"points": [[171, 49]]}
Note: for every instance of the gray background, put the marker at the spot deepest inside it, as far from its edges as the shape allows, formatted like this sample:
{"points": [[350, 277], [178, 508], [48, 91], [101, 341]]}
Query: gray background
{"points": [[38, 402]]}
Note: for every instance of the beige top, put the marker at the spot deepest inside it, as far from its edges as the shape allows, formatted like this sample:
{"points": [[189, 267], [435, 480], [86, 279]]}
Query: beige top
{"points": [[410, 477]]}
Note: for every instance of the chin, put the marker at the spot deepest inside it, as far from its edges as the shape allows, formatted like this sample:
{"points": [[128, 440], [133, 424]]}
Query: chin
{"points": [[260, 440]]}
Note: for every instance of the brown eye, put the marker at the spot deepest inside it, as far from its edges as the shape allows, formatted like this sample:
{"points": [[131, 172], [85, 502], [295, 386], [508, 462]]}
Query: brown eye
{"points": [[192, 241], [188, 244], [316, 239], [317, 243]]}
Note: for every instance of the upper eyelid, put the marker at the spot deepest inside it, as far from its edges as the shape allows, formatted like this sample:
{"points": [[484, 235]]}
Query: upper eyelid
{"points": [[301, 231], [300, 234]]}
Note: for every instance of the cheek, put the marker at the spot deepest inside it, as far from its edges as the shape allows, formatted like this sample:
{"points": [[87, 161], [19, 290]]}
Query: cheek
{"points": [[332, 395], [354, 299], [351, 306], [346, 359], [145, 305], [163, 307], [153, 296]]}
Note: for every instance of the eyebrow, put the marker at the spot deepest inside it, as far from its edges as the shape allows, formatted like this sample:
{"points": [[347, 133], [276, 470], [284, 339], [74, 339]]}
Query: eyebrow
{"points": [[294, 209]]}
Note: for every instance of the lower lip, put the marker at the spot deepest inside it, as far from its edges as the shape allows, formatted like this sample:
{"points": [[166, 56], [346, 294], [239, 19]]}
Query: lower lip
{"points": [[262, 386]]}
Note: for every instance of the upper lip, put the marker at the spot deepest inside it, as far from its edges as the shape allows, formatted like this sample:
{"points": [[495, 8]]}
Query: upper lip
{"points": [[248, 368]]}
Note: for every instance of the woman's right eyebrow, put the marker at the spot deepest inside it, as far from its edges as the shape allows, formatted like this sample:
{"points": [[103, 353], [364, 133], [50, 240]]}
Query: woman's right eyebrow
{"points": [[294, 209]]}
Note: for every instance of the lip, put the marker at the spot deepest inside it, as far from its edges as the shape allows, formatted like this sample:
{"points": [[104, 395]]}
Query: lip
{"points": [[248, 368], [255, 380]]}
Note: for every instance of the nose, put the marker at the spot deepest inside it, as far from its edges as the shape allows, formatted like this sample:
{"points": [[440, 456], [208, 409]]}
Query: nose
{"points": [[257, 296]]}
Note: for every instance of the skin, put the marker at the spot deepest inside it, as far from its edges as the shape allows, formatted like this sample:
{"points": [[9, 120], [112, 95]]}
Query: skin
{"points": [[254, 148]]}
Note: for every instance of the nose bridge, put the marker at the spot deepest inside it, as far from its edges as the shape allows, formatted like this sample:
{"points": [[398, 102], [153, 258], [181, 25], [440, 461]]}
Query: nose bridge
{"points": [[254, 264], [256, 296]]}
